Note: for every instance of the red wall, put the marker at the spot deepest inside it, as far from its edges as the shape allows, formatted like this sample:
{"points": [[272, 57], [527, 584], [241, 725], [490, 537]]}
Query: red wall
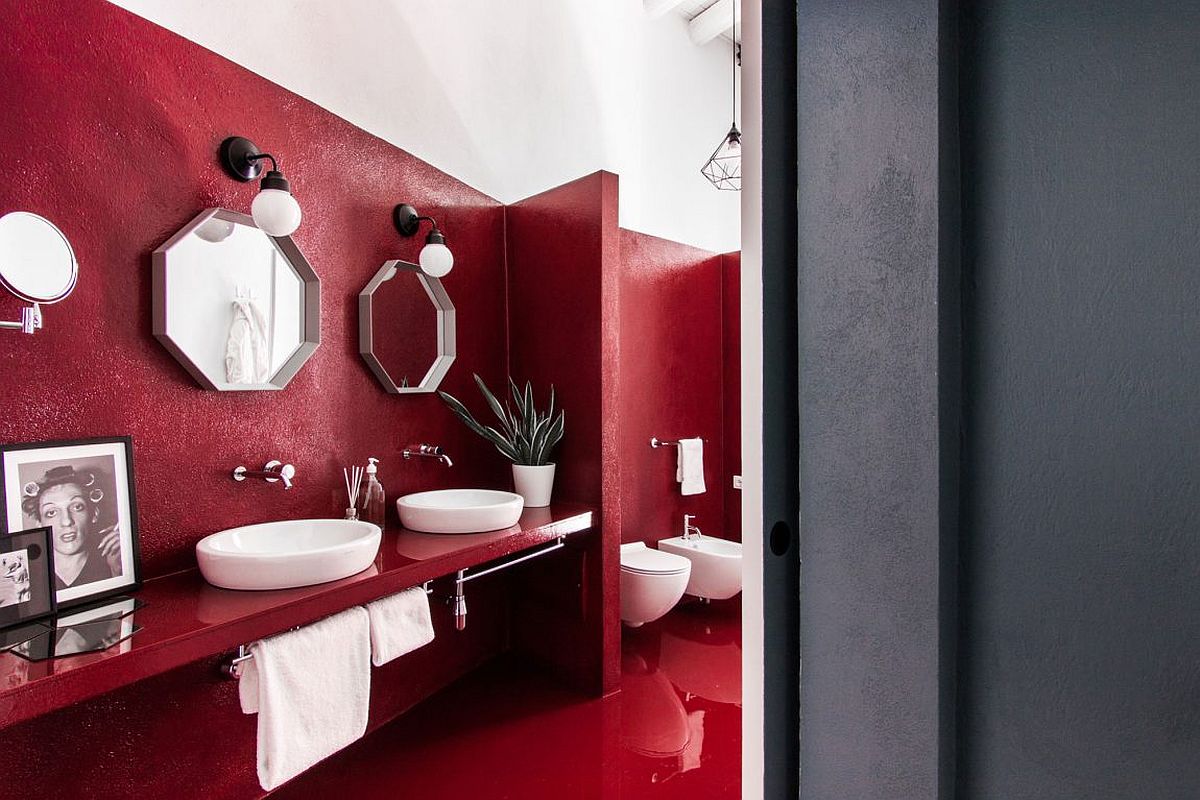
{"points": [[563, 256], [731, 408], [114, 138], [110, 129], [672, 371], [115, 141]]}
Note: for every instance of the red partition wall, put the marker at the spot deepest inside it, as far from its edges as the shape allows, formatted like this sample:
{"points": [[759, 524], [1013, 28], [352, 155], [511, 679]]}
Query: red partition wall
{"points": [[563, 299], [731, 405], [671, 383]]}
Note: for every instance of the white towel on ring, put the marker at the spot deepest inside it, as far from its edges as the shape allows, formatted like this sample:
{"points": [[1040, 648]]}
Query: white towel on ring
{"points": [[400, 624], [311, 689], [690, 469]]}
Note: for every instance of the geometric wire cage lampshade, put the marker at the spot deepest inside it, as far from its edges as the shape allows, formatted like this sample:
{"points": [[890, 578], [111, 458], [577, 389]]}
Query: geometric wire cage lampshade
{"points": [[724, 167]]}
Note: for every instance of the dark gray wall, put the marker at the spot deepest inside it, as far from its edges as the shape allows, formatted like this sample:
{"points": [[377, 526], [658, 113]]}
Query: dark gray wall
{"points": [[874, 438], [781, 407], [1080, 647]]}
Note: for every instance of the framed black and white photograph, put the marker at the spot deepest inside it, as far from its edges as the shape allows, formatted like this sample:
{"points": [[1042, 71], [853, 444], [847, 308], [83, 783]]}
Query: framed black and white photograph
{"points": [[26, 577], [83, 492]]}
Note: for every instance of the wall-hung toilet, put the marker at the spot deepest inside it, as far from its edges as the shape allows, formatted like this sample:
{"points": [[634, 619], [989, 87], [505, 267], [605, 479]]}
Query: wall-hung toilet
{"points": [[652, 582]]}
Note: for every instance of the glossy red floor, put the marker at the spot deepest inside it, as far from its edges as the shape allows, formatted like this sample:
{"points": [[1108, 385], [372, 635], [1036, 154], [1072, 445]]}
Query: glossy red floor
{"points": [[508, 731]]}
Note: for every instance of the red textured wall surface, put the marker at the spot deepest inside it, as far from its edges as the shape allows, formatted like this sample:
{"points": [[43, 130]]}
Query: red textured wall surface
{"points": [[731, 404], [671, 379], [116, 142], [111, 128], [114, 138], [563, 253]]}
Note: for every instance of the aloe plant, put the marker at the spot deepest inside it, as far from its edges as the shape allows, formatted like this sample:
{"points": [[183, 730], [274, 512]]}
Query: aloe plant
{"points": [[525, 435]]}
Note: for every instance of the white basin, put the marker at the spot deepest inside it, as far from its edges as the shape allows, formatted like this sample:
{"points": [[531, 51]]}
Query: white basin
{"points": [[460, 510], [716, 565], [284, 555]]}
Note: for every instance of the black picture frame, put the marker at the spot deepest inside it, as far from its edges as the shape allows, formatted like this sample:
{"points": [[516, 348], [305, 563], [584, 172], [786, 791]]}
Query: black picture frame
{"points": [[27, 569], [102, 471]]}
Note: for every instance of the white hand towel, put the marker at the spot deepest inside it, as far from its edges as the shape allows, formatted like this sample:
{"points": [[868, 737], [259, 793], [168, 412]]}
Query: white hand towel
{"points": [[311, 689], [690, 470], [399, 624]]}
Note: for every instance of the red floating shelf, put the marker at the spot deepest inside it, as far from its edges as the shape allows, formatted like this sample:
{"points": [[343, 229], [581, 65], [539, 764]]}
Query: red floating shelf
{"points": [[186, 619]]}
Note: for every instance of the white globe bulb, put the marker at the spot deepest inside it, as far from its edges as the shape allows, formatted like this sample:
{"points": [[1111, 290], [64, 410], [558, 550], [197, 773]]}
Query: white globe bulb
{"points": [[275, 212], [436, 260]]}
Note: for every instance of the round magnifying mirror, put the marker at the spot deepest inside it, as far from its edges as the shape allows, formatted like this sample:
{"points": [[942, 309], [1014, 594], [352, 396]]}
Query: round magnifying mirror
{"points": [[37, 263]]}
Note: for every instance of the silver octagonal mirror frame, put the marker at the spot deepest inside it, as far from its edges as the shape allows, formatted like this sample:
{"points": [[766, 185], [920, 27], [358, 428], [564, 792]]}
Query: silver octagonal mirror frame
{"points": [[446, 332], [311, 313]]}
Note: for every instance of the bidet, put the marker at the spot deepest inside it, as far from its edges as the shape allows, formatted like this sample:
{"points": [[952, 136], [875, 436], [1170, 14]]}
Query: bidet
{"points": [[716, 565]]}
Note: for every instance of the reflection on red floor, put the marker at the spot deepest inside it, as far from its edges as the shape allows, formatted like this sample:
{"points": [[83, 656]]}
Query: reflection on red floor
{"points": [[507, 731]]}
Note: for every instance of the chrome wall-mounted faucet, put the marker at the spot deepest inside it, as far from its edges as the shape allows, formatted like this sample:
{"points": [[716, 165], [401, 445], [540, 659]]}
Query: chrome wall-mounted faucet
{"points": [[690, 531], [427, 451], [273, 472]]}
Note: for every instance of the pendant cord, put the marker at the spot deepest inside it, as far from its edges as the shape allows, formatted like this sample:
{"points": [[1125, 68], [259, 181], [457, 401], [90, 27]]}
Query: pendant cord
{"points": [[735, 59]]}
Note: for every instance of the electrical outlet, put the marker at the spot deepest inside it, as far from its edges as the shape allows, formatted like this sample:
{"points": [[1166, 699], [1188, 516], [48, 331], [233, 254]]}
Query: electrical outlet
{"points": [[737, 481]]}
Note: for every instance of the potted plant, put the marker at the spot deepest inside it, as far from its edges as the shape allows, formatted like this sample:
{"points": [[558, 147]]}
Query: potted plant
{"points": [[525, 437]]}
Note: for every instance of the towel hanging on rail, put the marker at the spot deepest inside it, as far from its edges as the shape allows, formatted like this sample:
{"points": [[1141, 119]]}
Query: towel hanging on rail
{"points": [[311, 689], [690, 469], [400, 624]]}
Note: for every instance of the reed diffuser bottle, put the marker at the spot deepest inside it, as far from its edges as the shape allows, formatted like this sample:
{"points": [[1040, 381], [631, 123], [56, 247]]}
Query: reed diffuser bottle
{"points": [[353, 478]]}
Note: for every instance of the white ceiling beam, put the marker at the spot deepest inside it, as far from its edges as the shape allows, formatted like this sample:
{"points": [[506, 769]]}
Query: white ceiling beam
{"points": [[713, 21], [658, 8]]}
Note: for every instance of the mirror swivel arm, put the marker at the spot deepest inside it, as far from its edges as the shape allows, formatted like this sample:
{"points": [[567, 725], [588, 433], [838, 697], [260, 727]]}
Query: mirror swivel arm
{"points": [[31, 320]]}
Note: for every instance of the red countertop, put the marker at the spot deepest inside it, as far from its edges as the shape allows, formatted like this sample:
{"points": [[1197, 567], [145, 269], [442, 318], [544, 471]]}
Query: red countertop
{"points": [[186, 619]]}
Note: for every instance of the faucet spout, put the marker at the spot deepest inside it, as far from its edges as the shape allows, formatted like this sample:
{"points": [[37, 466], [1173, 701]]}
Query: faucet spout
{"points": [[427, 451]]}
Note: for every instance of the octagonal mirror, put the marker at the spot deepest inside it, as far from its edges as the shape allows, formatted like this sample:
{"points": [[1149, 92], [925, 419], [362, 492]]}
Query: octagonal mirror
{"points": [[406, 328], [239, 309]]}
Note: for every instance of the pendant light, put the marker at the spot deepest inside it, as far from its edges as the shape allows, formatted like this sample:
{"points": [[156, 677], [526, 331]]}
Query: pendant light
{"points": [[724, 167]]}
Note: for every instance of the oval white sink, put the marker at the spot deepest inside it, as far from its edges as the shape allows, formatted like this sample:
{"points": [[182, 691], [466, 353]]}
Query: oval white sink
{"points": [[460, 510], [284, 555]]}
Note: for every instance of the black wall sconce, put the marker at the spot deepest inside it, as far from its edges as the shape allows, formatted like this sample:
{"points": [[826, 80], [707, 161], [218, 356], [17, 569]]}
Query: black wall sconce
{"points": [[436, 259], [274, 210]]}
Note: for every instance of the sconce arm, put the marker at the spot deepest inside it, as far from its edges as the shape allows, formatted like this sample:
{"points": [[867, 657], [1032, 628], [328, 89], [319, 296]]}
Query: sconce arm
{"points": [[260, 156]]}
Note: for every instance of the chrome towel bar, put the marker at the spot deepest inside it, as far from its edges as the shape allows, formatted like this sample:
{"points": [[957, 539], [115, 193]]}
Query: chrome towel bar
{"points": [[230, 667], [656, 442], [458, 600]]}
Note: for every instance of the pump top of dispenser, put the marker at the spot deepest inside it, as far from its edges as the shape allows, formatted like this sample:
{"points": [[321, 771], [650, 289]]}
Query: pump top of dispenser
{"points": [[371, 469]]}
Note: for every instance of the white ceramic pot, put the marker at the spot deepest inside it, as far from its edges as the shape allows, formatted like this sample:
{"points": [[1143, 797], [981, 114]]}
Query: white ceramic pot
{"points": [[534, 484]]}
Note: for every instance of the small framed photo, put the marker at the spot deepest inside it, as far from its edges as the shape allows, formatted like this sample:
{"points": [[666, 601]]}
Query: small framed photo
{"points": [[83, 492], [26, 577]]}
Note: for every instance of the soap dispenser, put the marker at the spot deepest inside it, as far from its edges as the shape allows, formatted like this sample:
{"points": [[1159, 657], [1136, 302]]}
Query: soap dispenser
{"points": [[374, 505]]}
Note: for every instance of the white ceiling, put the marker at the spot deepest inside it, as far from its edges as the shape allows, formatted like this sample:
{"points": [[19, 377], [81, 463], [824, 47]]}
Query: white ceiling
{"points": [[511, 98], [707, 19]]}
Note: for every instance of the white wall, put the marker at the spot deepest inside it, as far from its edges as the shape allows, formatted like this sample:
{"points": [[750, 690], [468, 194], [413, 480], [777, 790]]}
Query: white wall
{"points": [[513, 98], [753, 636]]}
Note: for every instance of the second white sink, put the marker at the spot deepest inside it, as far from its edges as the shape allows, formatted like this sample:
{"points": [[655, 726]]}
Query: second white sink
{"points": [[460, 510], [284, 555]]}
